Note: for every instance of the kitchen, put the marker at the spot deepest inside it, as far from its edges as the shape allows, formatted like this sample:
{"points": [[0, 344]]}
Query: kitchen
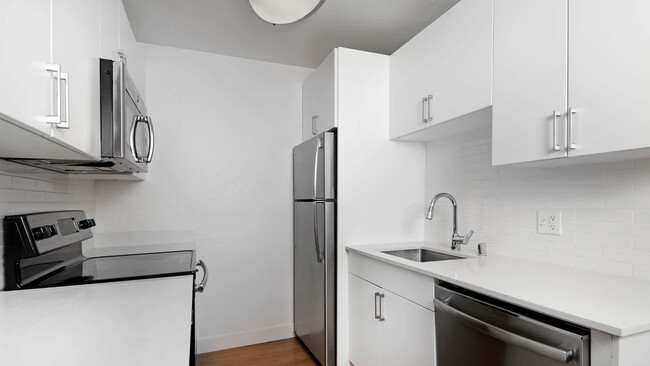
{"points": [[529, 114]]}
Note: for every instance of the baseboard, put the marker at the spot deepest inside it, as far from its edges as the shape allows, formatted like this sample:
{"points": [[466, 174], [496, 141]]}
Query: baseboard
{"points": [[240, 339]]}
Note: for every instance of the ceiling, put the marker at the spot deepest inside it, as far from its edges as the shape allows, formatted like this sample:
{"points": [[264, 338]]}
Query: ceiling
{"points": [[229, 27]]}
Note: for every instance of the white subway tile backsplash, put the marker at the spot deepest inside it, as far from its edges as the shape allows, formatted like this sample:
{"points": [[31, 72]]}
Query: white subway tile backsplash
{"points": [[606, 215], [605, 207]]}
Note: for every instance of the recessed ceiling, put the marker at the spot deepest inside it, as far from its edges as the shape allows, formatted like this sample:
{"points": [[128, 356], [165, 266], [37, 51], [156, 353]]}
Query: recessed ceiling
{"points": [[229, 27]]}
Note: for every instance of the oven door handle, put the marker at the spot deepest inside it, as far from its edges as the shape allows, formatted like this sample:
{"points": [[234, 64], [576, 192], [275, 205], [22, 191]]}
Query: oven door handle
{"points": [[557, 354], [204, 282]]}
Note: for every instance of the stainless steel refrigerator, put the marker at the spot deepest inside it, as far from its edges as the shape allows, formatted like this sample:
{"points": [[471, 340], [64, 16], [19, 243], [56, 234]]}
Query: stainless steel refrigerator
{"points": [[314, 245]]}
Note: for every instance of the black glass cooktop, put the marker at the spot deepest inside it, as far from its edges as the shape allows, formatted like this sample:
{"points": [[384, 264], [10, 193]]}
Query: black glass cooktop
{"points": [[122, 267]]}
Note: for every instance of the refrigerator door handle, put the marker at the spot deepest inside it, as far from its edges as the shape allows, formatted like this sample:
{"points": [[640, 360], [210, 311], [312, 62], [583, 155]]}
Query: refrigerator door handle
{"points": [[319, 256], [319, 146]]}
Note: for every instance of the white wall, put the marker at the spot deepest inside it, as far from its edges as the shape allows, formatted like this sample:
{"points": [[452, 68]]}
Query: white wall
{"points": [[224, 128], [25, 190], [380, 182], [605, 207]]}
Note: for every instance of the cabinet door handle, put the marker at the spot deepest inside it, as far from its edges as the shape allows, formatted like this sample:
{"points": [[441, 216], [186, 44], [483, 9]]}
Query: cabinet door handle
{"points": [[424, 118], [65, 123], [378, 298], [377, 316], [429, 99], [314, 131], [572, 144], [556, 114], [55, 71]]}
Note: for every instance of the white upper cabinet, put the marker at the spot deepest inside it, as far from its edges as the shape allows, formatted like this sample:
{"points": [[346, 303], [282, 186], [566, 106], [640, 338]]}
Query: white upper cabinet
{"points": [[109, 29], [50, 57], [570, 79], [609, 75], [75, 47], [409, 86], [319, 93], [444, 72], [128, 45], [461, 60], [530, 80], [26, 87]]}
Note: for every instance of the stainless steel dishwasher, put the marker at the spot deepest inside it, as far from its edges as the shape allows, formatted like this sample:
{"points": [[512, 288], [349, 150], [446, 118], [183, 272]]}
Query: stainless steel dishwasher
{"points": [[473, 329]]}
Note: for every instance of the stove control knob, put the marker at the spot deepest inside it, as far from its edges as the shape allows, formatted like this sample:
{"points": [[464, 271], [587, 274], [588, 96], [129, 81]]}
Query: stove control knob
{"points": [[86, 224], [44, 232]]}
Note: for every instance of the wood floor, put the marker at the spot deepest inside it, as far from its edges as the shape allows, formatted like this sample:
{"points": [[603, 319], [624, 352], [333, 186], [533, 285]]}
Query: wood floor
{"points": [[279, 353]]}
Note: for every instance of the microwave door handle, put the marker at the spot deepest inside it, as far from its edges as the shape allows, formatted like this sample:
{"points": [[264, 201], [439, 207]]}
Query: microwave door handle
{"points": [[134, 150], [151, 139], [122, 106]]}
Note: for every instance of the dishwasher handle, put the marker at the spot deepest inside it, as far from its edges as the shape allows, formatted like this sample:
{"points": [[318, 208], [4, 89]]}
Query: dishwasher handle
{"points": [[554, 353]]}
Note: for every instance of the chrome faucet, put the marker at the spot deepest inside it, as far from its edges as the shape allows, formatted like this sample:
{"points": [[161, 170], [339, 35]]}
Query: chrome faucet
{"points": [[456, 240]]}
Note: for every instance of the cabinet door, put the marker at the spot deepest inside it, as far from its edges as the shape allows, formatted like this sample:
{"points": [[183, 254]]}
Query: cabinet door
{"points": [[309, 113], [26, 87], [128, 44], [408, 333], [609, 82], [326, 77], [530, 83], [108, 31], [461, 60], [409, 83], [365, 330], [75, 46]]}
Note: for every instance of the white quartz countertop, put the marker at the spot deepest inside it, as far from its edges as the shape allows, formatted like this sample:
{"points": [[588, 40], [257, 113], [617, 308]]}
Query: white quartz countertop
{"points": [[144, 322], [616, 305]]}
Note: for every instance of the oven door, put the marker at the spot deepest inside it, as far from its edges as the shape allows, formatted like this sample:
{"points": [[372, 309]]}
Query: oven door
{"points": [[473, 330]]}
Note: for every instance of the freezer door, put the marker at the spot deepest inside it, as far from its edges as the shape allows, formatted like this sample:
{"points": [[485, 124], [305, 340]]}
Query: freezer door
{"points": [[314, 170], [314, 278]]}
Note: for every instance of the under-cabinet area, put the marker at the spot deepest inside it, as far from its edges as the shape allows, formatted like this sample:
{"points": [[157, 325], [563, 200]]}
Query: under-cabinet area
{"points": [[325, 182]]}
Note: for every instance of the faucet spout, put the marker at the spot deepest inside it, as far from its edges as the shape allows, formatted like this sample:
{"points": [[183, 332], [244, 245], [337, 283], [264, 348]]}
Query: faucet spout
{"points": [[454, 207], [456, 240]]}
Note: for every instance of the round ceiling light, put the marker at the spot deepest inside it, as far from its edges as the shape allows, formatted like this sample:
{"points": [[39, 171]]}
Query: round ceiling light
{"points": [[284, 11]]}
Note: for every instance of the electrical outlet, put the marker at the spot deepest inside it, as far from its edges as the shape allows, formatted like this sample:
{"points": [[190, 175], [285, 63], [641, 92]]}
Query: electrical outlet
{"points": [[549, 222]]}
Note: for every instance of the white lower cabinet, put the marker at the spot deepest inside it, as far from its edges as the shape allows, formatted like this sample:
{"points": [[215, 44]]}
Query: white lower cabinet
{"points": [[387, 329]]}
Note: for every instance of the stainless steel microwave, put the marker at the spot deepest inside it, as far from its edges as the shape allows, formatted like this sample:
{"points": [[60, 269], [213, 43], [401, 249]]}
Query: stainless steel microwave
{"points": [[127, 136]]}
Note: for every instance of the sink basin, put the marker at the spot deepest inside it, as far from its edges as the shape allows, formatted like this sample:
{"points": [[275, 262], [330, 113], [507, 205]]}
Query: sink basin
{"points": [[421, 255]]}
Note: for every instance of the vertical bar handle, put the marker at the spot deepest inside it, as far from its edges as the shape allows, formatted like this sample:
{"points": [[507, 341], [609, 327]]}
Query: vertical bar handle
{"points": [[314, 131], [151, 139], [429, 99], [55, 71], [381, 308], [424, 118], [65, 123], [319, 256], [572, 144], [319, 146], [377, 316], [556, 115]]}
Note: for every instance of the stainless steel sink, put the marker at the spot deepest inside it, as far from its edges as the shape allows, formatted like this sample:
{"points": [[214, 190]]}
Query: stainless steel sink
{"points": [[421, 255]]}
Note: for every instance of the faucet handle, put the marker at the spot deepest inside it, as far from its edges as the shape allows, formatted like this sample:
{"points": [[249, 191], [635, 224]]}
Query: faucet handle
{"points": [[467, 237]]}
